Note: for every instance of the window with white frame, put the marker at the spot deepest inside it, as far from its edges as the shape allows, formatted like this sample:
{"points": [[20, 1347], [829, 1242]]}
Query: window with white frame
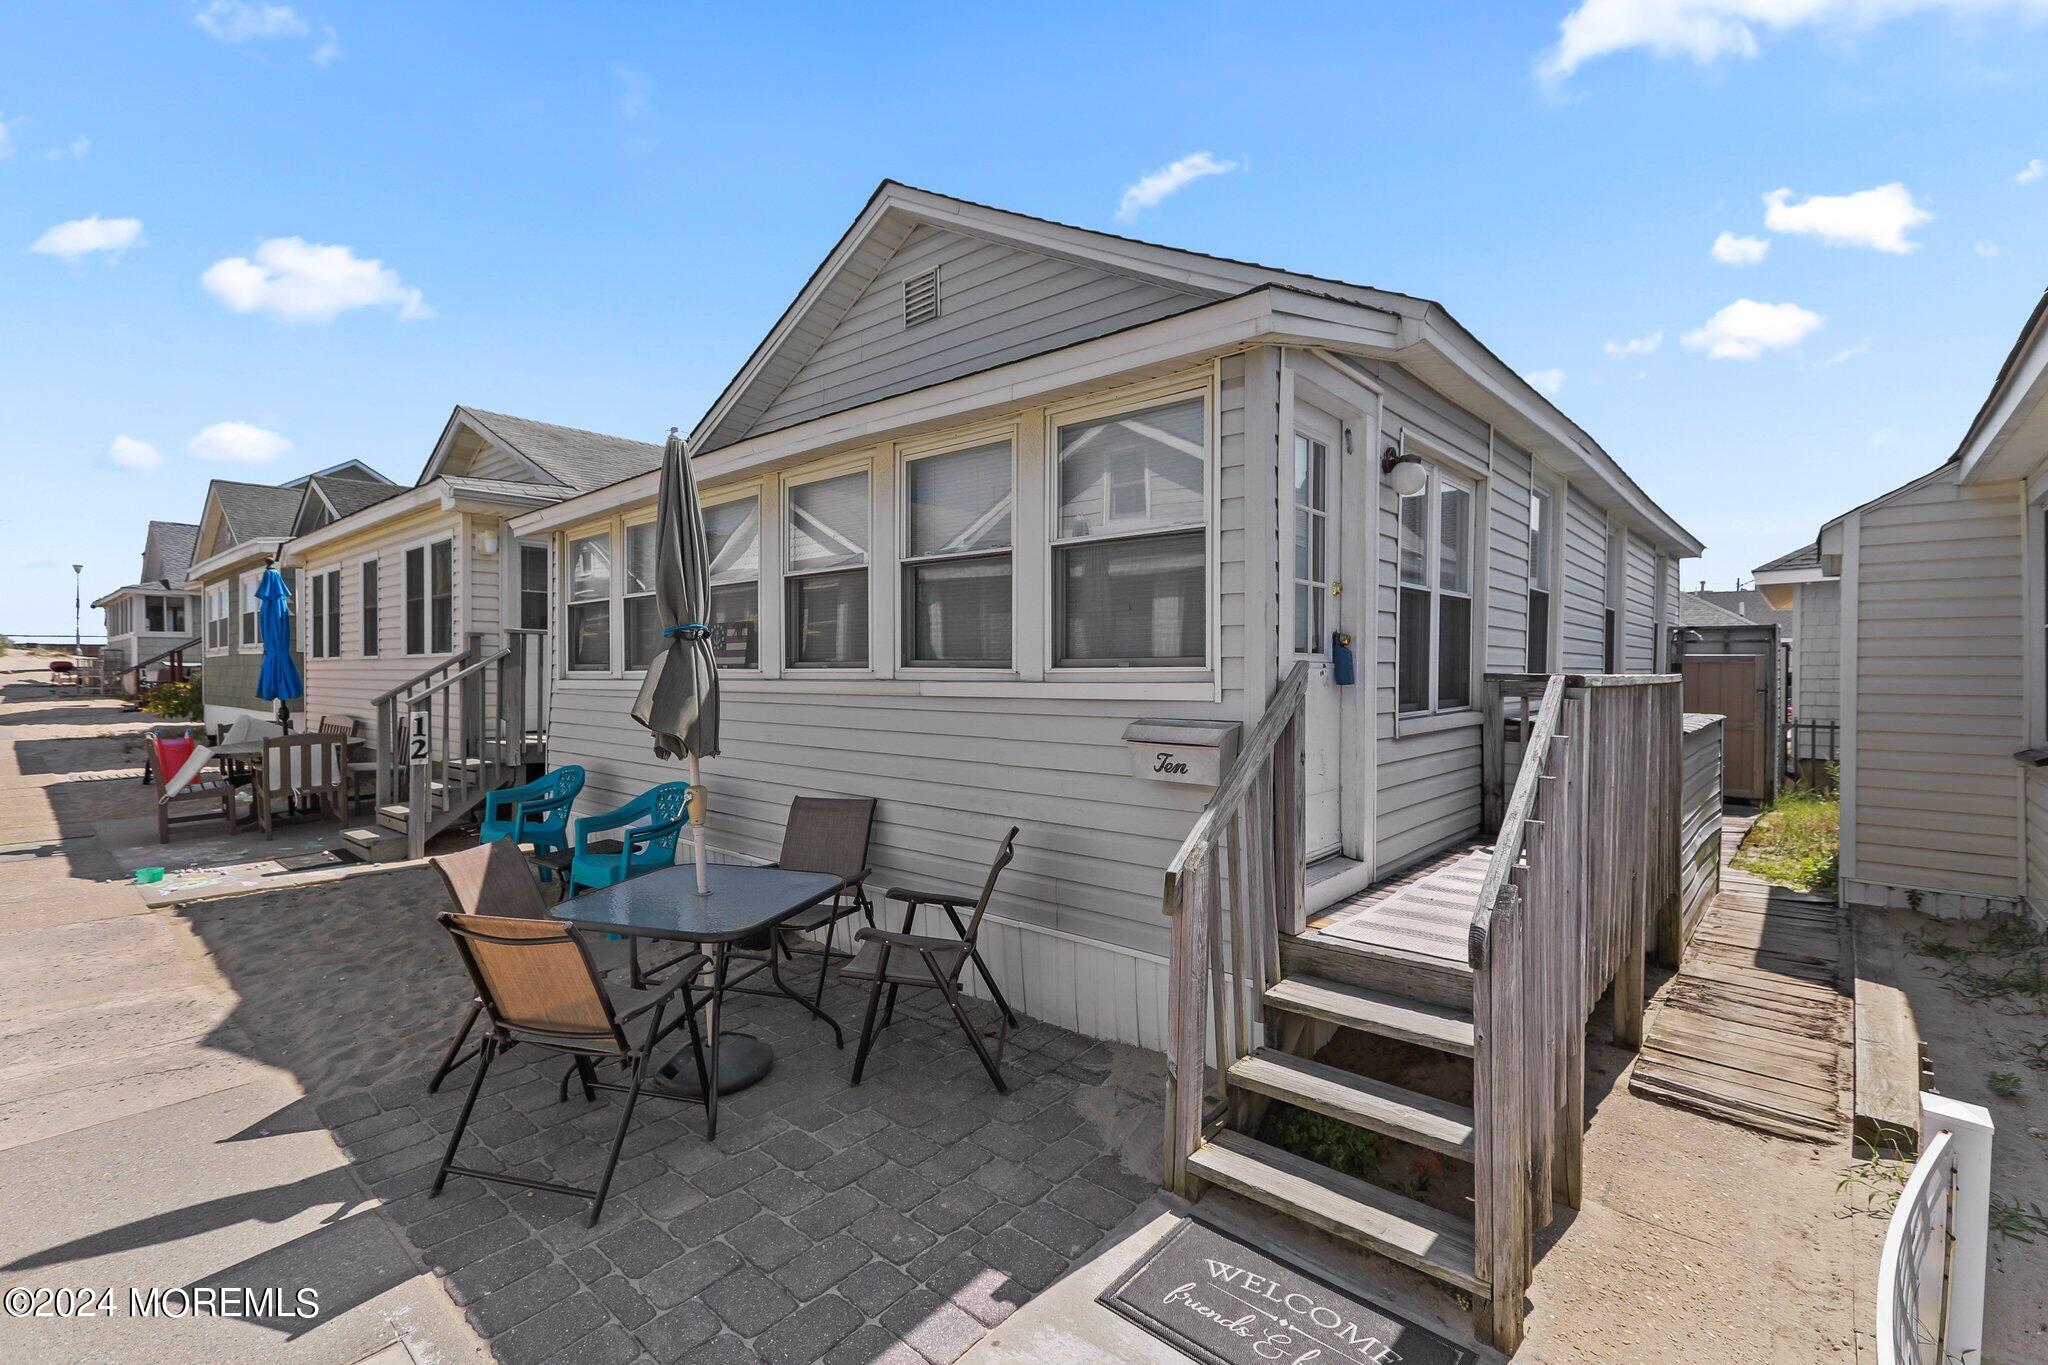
{"points": [[587, 618], [825, 532], [368, 606], [1433, 670], [323, 622], [732, 534], [533, 587], [219, 620], [251, 636], [164, 614], [643, 620], [430, 598], [1542, 553], [1130, 538], [957, 609]]}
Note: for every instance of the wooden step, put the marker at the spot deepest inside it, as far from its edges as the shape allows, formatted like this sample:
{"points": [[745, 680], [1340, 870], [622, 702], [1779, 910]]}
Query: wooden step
{"points": [[1358, 1100], [374, 845], [1390, 1016], [1396, 1227], [1391, 971]]}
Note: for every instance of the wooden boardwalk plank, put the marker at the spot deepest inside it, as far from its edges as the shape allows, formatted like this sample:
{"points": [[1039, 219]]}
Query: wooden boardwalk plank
{"points": [[1753, 1030]]}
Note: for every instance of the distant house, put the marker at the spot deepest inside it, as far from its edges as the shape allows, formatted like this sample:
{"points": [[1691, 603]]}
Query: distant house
{"points": [[1731, 647], [242, 527], [399, 582], [150, 621], [1794, 583], [1944, 688]]}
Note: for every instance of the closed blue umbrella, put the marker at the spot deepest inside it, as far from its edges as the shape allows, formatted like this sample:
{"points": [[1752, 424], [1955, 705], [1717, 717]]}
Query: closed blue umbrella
{"points": [[279, 681]]}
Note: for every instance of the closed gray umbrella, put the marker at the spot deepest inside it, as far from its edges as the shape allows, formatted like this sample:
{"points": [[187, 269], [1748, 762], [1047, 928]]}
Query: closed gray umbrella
{"points": [[678, 701]]}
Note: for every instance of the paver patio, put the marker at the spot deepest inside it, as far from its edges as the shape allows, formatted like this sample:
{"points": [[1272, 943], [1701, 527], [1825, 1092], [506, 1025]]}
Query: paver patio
{"points": [[826, 1222]]}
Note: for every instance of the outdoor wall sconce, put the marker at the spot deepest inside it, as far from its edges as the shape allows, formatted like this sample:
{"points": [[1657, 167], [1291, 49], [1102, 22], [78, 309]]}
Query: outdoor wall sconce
{"points": [[1404, 472], [488, 542]]}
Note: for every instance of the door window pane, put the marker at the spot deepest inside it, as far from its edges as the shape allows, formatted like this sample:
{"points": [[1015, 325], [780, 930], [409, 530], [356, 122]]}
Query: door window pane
{"points": [[1135, 603], [1133, 472], [1311, 531]]}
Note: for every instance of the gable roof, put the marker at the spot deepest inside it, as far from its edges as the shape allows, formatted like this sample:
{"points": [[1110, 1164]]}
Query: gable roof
{"points": [[1748, 606], [353, 470], [1805, 557], [1694, 610], [253, 511], [569, 457], [171, 544], [1416, 327], [336, 497]]}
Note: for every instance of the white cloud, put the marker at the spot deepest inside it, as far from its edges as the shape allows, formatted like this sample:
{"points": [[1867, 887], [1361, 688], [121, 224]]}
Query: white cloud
{"points": [[1987, 249], [1642, 345], [1546, 382], [237, 443], [328, 49], [1745, 329], [1846, 353], [1729, 249], [1153, 188], [2031, 172], [130, 453], [1877, 218], [635, 91], [233, 21], [301, 281], [84, 236], [1708, 30], [74, 149]]}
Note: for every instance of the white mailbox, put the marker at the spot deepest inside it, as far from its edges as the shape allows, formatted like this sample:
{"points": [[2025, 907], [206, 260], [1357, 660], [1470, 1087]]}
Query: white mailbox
{"points": [[1196, 752]]}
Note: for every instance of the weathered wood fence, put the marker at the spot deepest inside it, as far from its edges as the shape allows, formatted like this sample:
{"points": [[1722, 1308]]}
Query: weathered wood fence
{"points": [[1586, 859], [1234, 887], [1699, 836]]}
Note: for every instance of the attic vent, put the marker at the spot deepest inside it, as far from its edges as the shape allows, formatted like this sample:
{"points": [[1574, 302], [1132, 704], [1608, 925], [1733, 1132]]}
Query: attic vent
{"points": [[921, 298]]}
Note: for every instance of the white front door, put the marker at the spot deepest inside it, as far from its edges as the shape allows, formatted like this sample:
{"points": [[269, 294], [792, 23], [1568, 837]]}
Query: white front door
{"points": [[1312, 575]]}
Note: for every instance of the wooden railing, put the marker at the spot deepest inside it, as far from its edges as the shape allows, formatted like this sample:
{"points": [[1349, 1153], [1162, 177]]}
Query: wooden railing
{"points": [[393, 768], [1236, 885], [1585, 858], [461, 740]]}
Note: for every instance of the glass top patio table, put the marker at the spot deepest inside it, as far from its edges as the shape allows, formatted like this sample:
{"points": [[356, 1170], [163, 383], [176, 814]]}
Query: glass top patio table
{"points": [[743, 903]]}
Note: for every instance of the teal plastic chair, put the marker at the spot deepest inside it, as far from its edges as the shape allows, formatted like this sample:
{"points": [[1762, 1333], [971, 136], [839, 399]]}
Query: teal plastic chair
{"points": [[537, 813], [649, 826]]}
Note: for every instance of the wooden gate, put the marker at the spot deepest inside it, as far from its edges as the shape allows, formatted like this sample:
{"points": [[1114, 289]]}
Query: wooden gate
{"points": [[1728, 685]]}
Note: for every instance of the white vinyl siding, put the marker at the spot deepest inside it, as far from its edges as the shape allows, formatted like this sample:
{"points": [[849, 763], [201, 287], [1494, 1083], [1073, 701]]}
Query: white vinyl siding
{"points": [[1506, 632], [1639, 607], [1000, 303], [1583, 618], [1940, 697], [1817, 651]]}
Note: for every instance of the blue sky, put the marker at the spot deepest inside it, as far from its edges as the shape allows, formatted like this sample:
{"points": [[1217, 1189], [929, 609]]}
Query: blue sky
{"points": [[590, 215]]}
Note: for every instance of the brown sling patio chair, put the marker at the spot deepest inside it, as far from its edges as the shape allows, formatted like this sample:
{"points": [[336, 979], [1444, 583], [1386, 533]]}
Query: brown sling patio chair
{"points": [[494, 879], [830, 834], [539, 988], [931, 962]]}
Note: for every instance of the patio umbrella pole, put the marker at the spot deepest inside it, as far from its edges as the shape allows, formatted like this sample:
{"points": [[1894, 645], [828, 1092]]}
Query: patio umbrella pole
{"points": [[697, 809]]}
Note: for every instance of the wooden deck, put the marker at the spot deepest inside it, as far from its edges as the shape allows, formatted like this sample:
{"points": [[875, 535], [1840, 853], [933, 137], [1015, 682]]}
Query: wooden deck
{"points": [[1426, 911], [1754, 1028]]}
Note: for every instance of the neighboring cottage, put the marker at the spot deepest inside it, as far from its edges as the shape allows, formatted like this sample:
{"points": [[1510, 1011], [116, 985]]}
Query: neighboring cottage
{"points": [[1943, 680], [242, 528], [151, 622], [1794, 583], [1732, 650]]}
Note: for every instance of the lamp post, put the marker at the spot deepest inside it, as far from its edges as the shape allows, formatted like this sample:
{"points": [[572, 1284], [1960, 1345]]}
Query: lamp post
{"points": [[77, 612]]}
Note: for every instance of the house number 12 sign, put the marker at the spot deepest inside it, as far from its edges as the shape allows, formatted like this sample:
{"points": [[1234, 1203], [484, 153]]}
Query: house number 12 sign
{"points": [[416, 739]]}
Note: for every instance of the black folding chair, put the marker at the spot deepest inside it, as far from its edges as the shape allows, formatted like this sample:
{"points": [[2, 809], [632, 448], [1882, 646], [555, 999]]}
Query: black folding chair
{"points": [[539, 987], [931, 962]]}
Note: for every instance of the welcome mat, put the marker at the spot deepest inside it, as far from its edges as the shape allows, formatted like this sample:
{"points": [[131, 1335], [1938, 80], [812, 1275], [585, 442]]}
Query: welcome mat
{"points": [[1217, 1300]]}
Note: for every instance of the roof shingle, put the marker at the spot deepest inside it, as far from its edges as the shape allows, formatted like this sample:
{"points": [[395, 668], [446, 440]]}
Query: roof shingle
{"points": [[576, 459]]}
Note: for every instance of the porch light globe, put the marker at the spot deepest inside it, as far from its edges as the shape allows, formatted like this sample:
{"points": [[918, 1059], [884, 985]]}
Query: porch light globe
{"points": [[1407, 477]]}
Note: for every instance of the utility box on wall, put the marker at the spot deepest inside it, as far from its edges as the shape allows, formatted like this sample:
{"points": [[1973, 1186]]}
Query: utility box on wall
{"points": [[1193, 752]]}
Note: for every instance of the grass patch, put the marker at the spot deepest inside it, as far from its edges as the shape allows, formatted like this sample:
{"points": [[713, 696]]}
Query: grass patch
{"points": [[2004, 1084], [1323, 1140], [1875, 1182], [2018, 1223], [1795, 841]]}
